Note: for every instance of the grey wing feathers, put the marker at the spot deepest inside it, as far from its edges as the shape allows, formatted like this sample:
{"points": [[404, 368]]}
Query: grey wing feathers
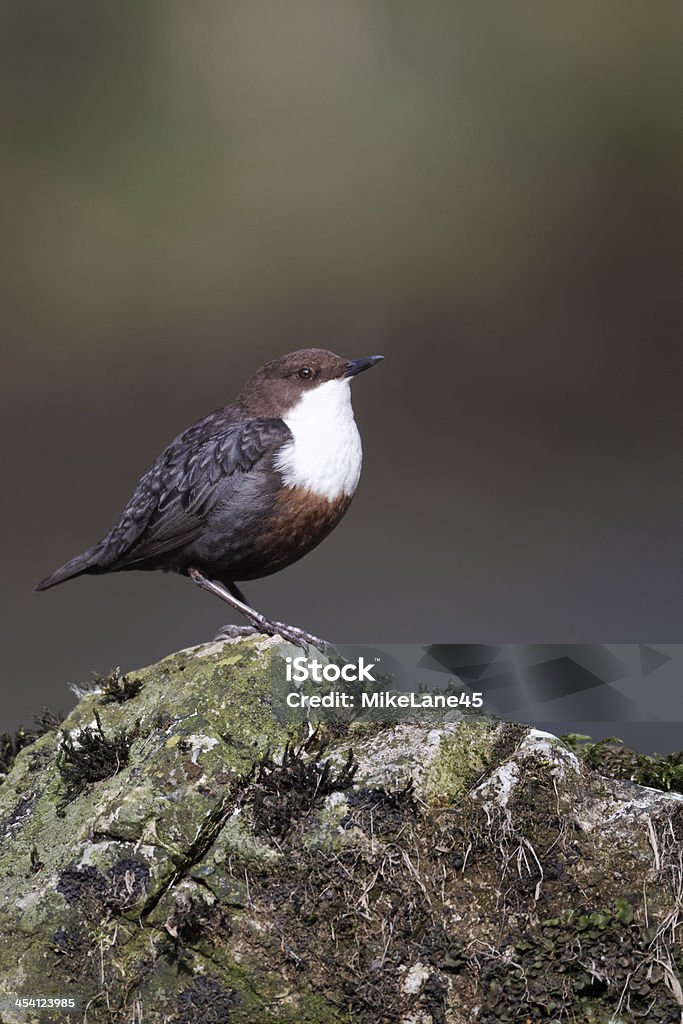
{"points": [[169, 503]]}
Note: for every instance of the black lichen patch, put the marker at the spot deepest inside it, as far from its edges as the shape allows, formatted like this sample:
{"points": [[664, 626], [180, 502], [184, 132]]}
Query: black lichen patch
{"points": [[82, 884], [117, 689], [125, 882], [92, 758], [284, 792], [68, 942], [61, 940], [205, 1001], [12, 743]]}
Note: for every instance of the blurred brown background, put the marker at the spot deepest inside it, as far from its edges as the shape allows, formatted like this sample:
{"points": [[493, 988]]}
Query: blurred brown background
{"points": [[489, 194]]}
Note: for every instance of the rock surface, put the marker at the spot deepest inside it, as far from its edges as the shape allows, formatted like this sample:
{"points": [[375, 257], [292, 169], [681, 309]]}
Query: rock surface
{"points": [[180, 853]]}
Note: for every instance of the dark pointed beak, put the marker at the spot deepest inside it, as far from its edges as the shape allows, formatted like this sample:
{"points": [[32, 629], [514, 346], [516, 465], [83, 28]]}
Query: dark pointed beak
{"points": [[358, 365]]}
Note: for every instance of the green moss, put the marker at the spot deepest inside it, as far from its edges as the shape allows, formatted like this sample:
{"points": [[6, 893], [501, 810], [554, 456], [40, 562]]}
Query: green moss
{"points": [[462, 759], [237, 841]]}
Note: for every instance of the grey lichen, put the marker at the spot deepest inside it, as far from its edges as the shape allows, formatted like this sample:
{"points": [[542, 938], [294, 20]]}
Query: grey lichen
{"points": [[234, 867]]}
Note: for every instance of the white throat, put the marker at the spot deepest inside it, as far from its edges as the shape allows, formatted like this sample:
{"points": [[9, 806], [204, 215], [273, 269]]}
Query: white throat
{"points": [[324, 455]]}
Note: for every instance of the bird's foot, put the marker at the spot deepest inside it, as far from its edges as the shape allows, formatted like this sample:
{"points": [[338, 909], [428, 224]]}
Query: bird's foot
{"points": [[231, 632], [292, 634], [295, 635], [266, 627]]}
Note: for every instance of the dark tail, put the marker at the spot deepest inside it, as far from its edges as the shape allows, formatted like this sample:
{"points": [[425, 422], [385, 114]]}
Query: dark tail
{"points": [[85, 563]]}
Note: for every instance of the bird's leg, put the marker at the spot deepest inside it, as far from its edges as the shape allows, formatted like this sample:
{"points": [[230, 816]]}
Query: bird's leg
{"points": [[233, 596], [230, 631]]}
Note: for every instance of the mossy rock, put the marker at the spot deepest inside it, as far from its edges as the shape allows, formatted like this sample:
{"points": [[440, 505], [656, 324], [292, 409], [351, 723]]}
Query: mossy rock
{"points": [[188, 855]]}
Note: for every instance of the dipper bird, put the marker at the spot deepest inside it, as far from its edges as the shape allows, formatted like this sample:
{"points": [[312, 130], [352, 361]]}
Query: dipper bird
{"points": [[247, 490]]}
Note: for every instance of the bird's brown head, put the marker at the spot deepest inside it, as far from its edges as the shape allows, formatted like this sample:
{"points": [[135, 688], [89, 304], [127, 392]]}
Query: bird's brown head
{"points": [[279, 385]]}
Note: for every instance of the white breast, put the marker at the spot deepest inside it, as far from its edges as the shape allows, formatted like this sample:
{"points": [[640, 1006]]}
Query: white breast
{"points": [[325, 454]]}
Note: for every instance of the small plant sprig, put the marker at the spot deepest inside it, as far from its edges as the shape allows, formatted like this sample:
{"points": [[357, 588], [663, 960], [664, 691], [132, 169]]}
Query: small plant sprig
{"points": [[91, 758], [287, 790], [117, 689], [12, 744]]}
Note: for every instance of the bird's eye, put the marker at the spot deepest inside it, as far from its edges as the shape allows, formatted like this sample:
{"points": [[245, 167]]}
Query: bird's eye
{"points": [[305, 373]]}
